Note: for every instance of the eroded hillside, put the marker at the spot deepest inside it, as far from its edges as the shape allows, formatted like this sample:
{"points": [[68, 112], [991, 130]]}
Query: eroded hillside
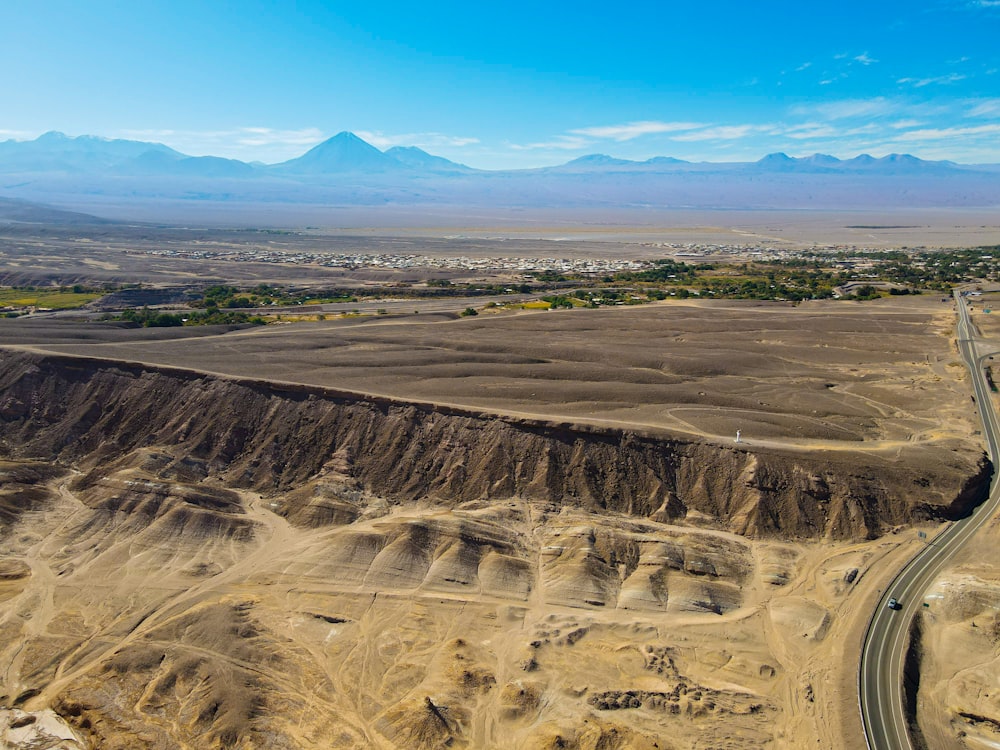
{"points": [[272, 438], [148, 611], [193, 560]]}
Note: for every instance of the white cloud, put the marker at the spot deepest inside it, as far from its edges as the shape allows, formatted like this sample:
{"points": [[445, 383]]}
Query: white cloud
{"points": [[904, 124], [848, 108], [422, 140], [270, 137], [17, 135], [921, 82], [936, 134], [808, 131], [720, 133], [803, 66], [561, 142], [865, 59], [862, 130], [984, 108], [630, 130], [832, 78]]}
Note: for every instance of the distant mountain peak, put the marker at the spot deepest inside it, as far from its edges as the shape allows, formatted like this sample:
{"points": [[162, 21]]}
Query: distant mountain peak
{"points": [[822, 160], [58, 152], [665, 160], [416, 150], [57, 136], [417, 158], [595, 160], [346, 138], [347, 135], [345, 169], [344, 152], [889, 164], [901, 159]]}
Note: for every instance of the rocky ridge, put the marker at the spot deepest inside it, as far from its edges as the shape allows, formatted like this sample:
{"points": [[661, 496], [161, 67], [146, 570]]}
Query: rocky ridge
{"points": [[328, 450]]}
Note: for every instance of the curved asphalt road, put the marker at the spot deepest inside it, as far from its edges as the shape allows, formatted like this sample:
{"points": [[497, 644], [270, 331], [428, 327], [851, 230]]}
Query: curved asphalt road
{"points": [[881, 672]]}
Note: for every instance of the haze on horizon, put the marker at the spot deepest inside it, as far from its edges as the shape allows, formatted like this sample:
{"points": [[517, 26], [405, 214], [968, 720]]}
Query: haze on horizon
{"points": [[524, 87]]}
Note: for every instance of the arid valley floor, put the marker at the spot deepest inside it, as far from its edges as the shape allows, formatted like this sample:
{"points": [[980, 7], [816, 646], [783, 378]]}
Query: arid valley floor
{"points": [[522, 529]]}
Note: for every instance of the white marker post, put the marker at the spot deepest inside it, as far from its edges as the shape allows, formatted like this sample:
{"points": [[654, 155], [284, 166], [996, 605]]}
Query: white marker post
{"points": [[737, 436]]}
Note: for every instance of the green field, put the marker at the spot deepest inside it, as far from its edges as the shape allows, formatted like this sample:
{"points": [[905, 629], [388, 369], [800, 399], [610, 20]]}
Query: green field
{"points": [[55, 300]]}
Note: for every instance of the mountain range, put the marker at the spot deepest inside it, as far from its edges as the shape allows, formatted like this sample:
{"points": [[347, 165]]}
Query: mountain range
{"points": [[346, 170]]}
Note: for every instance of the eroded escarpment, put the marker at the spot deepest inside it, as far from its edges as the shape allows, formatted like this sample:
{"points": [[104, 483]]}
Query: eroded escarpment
{"points": [[279, 438], [195, 561]]}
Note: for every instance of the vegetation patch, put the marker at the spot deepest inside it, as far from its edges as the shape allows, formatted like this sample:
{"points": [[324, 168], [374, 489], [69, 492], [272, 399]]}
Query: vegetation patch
{"points": [[62, 298], [214, 316]]}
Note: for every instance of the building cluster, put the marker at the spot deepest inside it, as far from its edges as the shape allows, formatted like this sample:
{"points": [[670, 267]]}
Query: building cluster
{"points": [[699, 252], [595, 265]]}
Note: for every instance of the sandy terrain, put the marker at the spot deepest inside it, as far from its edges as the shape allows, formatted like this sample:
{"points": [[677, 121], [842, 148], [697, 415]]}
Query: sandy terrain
{"points": [[815, 376], [184, 254], [196, 586], [420, 626], [927, 227]]}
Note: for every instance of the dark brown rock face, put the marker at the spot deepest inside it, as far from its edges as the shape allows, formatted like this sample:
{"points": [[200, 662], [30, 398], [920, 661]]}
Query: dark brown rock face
{"points": [[274, 437]]}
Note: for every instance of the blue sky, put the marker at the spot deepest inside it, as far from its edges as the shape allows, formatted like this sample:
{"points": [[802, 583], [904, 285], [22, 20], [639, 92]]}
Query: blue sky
{"points": [[515, 85]]}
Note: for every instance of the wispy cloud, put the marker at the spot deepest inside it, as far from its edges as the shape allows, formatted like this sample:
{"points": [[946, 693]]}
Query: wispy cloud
{"points": [[423, 140], [806, 130], [933, 81], [630, 130], [937, 134], [984, 108], [271, 137], [803, 66], [560, 142], [17, 135], [720, 133], [931, 127], [244, 136], [865, 59], [905, 124], [581, 138], [848, 108]]}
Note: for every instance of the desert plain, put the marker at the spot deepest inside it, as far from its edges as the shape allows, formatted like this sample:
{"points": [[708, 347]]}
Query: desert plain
{"points": [[522, 529]]}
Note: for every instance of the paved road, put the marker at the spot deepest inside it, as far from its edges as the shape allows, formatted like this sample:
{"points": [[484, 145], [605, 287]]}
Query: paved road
{"points": [[881, 673]]}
